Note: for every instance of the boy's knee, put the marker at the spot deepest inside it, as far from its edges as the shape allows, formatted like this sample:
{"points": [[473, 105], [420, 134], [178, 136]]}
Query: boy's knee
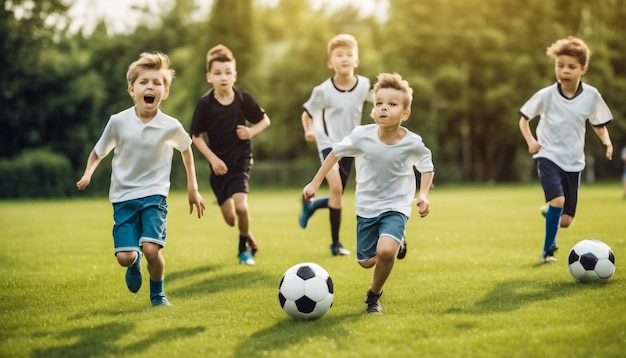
{"points": [[126, 258]]}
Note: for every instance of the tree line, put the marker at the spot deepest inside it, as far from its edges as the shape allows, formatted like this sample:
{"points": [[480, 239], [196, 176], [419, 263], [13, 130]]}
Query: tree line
{"points": [[471, 63]]}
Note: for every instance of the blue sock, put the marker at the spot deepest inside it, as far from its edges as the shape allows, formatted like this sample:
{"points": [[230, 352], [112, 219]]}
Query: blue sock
{"points": [[156, 289], [553, 220]]}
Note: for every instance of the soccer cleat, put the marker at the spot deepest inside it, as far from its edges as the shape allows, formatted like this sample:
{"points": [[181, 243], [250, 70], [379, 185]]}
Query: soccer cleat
{"points": [[245, 258], [338, 250], [552, 250], [305, 214], [160, 300], [252, 244], [548, 259], [373, 302], [544, 209], [133, 274], [402, 251]]}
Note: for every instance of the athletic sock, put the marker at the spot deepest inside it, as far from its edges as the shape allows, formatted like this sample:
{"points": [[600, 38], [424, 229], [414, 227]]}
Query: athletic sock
{"points": [[156, 289], [335, 223], [243, 240], [553, 220]]}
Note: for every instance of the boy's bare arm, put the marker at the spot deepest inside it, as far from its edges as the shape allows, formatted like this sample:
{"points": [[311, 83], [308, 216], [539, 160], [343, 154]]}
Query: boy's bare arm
{"points": [[533, 145], [603, 134], [426, 181], [311, 188], [192, 184], [217, 165], [92, 163], [307, 121]]}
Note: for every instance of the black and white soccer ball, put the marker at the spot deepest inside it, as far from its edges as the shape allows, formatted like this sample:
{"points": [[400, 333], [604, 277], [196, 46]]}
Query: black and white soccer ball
{"points": [[590, 261], [306, 291]]}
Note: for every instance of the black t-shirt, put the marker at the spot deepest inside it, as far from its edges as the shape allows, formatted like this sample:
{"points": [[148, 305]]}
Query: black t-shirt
{"points": [[220, 123]]}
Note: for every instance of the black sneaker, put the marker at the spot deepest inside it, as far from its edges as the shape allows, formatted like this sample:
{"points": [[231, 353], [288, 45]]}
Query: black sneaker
{"points": [[373, 302], [402, 251]]}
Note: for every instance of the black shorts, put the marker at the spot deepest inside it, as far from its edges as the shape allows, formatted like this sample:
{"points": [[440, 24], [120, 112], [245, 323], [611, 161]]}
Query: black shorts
{"points": [[557, 182], [235, 181], [345, 167]]}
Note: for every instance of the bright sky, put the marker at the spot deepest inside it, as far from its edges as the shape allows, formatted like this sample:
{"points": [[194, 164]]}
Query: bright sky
{"points": [[122, 16]]}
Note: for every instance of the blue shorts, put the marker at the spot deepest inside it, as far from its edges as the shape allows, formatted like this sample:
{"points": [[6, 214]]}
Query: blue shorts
{"points": [[137, 221], [370, 230], [557, 182]]}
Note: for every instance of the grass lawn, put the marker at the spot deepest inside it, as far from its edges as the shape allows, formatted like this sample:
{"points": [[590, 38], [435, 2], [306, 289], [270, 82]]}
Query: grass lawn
{"points": [[470, 286]]}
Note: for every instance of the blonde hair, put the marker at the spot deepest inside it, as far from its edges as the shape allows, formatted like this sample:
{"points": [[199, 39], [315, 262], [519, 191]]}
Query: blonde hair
{"points": [[153, 61], [343, 40], [395, 81], [219, 53], [570, 46]]}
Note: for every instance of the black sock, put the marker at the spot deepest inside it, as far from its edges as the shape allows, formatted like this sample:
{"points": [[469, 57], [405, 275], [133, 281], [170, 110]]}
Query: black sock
{"points": [[243, 240], [335, 223]]}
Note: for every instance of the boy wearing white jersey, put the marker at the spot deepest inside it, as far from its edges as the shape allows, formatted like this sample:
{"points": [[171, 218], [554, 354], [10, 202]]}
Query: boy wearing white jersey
{"points": [[333, 110], [563, 110], [385, 154]]}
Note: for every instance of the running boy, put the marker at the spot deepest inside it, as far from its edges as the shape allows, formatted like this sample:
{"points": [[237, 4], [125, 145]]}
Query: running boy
{"points": [[143, 138], [385, 154], [222, 114], [563, 109], [333, 110]]}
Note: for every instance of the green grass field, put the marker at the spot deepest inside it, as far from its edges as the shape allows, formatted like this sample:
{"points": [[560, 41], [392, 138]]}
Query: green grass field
{"points": [[470, 286]]}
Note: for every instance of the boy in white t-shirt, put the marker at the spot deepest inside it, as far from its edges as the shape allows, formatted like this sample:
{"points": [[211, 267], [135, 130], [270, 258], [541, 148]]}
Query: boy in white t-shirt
{"points": [[143, 139], [333, 110], [563, 109], [385, 154]]}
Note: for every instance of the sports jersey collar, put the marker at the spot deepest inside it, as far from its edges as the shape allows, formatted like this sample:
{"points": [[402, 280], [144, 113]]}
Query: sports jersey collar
{"points": [[579, 90]]}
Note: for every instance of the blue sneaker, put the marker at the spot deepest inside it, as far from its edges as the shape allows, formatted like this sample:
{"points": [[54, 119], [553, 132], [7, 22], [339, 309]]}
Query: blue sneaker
{"points": [[305, 214], [160, 300], [245, 258], [133, 274]]}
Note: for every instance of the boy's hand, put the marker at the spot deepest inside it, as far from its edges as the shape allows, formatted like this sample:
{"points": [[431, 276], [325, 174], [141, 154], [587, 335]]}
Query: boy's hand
{"points": [[219, 167], [423, 205], [309, 136], [83, 183], [534, 147], [196, 199], [609, 151], [309, 191], [243, 132]]}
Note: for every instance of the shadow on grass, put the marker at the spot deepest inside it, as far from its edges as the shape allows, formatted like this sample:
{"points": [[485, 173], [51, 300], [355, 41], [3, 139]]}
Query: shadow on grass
{"points": [[512, 295], [291, 332], [101, 341], [222, 283]]}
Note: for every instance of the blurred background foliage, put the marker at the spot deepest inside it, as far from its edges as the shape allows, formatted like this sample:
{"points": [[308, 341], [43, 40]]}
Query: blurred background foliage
{"points": [[472, 64]]}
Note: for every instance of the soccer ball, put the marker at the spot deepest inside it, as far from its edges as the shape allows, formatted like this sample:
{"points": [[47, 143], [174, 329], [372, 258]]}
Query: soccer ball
{"points": [[306, 291], [591, 260]]}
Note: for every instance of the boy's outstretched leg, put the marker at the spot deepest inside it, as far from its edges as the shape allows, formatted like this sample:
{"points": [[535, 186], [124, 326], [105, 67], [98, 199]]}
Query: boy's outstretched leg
{"points": [[156, 268], [553, 218]]}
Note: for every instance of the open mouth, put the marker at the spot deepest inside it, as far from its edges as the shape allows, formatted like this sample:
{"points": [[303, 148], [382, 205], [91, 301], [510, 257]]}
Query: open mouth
{"points": [[148, 98]]}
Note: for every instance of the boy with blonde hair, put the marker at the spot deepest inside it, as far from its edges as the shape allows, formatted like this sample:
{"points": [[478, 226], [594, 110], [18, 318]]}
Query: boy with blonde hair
{"points": [[222, 114], [144, 138], [563, 109], [333, 110], [385, 155]]}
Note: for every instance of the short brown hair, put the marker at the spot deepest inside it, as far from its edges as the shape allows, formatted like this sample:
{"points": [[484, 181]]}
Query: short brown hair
{"points": [[154, 61], [395, 81], [570, 46], [219, 53], [342, 40]]}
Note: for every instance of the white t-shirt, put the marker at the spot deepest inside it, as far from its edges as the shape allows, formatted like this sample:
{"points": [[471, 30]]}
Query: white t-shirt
{"points": [[384, 173], [561, 127], [142, 156], [336, 112]]}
